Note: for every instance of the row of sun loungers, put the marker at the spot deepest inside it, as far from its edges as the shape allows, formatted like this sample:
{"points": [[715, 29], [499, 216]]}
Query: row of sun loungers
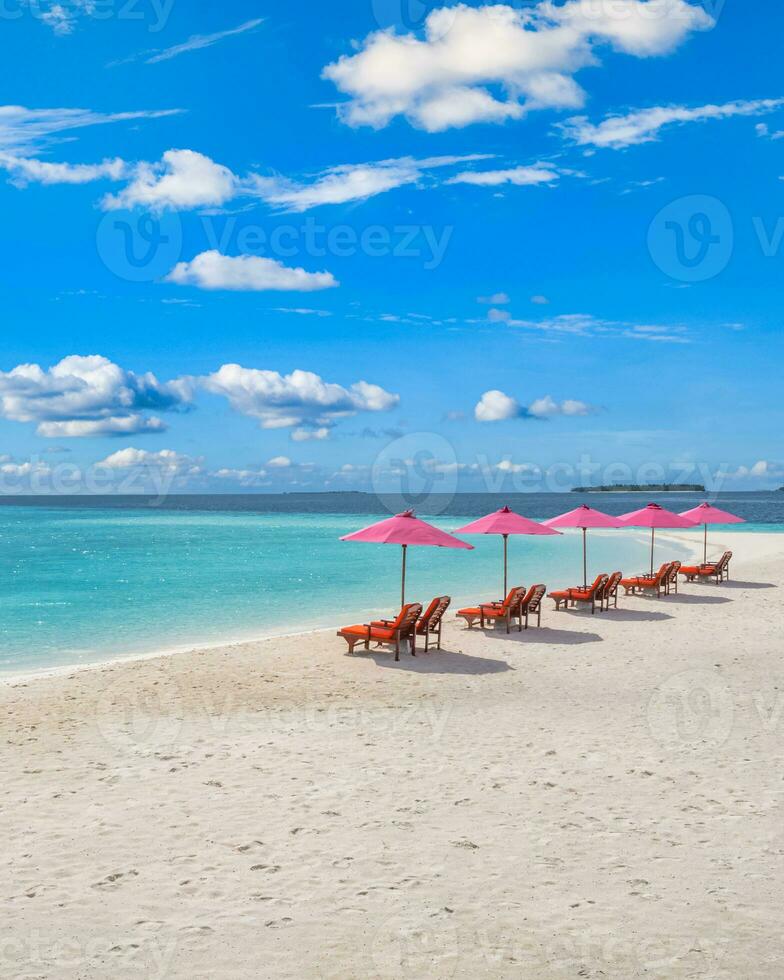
{"points": [[522, 604]]}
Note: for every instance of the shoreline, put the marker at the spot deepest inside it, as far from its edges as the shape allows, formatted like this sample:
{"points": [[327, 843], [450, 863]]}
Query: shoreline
{"points": [[12, 679]]}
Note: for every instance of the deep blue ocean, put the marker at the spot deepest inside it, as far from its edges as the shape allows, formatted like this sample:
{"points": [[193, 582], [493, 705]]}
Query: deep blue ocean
{"points": [[88, 578]]}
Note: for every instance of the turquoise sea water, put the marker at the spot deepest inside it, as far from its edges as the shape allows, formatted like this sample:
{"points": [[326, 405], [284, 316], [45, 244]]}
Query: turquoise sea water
{"points": [[79, 584]]}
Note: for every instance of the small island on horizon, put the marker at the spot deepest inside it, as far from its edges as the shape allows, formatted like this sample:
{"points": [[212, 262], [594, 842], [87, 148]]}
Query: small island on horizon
{"points": [[643, 488]]}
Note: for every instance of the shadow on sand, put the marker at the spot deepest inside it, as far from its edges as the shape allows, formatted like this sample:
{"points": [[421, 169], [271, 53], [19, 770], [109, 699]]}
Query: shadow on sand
{"points": [[546, 635], [440, 662], [688, 599], [732, 584], [636, 615]]}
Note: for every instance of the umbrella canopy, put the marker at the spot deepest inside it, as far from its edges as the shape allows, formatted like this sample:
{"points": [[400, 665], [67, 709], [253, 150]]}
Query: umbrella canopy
{"points": [[708, 514], [405, 530], [654, 516], [505, 522], [585, 517]]}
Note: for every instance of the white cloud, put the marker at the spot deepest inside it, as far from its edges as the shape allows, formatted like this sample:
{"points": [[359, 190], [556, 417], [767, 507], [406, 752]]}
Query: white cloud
{"points": [[249, 273], [643, 125], [586, 325], [495, 406], [519, 176], [196, 42], [183, 179], [294, 400], [86, 396], [310, 435], [449, 77], [547, 407], [25, 170], [279, 463], [124, 425], [762, 470], [499, 299], [349, 182], [540, 300], [24, 130], [166, 459], [245, 478]]}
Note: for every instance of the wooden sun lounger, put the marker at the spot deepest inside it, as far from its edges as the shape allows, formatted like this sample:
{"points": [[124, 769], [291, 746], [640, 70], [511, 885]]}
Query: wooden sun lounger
{"points": [[393, 632], [505, 609], [532, 604], [565, 597], [648, 583], [432, 621], [718, 570], [610, 592]]}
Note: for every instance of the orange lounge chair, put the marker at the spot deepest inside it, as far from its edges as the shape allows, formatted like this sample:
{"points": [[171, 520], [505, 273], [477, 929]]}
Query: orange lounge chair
{"points": [[718, 569], [432, 622], [532, 604], [648, 583], [610, 592], [496, 610], [573, 596], [388, 632], [672, 577]]}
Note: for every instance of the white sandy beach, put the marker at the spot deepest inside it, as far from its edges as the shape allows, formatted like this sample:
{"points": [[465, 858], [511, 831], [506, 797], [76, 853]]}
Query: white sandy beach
{"points": [[598, 798]]}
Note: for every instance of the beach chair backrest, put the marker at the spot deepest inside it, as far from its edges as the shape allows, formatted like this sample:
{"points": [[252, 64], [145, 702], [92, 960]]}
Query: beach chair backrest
{"points": [[612, 584], [407, 617], [535, 595], [435, 611], [724, 561], [663, 572], [598, 585], [675, 567], [515, 597]]}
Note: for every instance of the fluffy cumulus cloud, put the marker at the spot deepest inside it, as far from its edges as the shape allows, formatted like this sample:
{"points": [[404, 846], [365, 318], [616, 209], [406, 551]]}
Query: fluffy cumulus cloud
{"points": [[644, 125], [297, 400], [497, 406], [165, 459], [88, 396], [451, 75], [247, 273], [183, 179]]}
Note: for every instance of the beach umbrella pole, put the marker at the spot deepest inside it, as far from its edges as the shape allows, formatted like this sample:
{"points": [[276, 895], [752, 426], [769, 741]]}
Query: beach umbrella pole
{"points": [[653, 538], [705, 554], [506, 563], [403, 586], [585, 557]]}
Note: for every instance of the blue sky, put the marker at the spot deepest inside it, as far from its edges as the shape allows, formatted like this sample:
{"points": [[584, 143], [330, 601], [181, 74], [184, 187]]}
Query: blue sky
{"points": [[478, 246]]}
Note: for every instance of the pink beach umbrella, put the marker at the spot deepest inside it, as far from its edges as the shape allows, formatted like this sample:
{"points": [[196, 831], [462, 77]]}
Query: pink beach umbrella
{"points": [[654, 516], [406, 530], [585, 517], [708, 514], [505, 522]]}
